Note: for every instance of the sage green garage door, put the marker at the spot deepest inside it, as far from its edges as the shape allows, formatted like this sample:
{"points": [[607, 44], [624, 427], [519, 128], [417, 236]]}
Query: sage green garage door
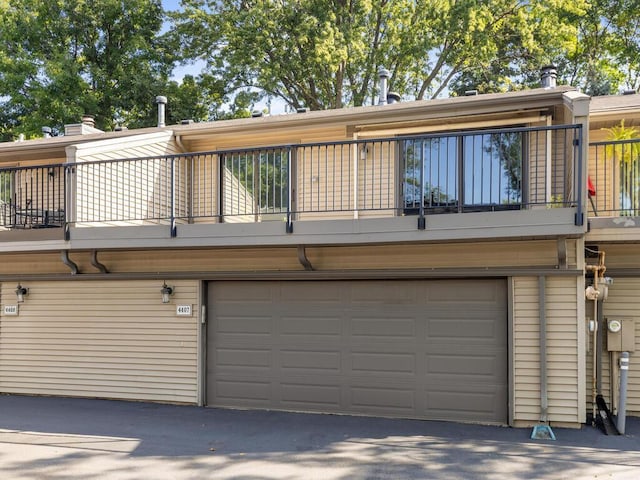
{"points": [[416, 348]]}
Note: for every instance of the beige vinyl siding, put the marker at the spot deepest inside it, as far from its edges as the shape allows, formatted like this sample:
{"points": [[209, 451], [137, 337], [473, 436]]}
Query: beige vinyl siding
{"points": [[204, 191], [624, 302], [142, 146], [539, 165], [102, 339], [129, 192], [562, 350], [325, 181], [239, 205], [377, 179], [123, 193]]}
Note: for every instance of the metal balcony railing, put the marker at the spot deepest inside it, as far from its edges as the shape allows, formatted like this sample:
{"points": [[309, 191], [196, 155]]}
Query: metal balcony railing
{"points": [[614, 178], [32, 197], [467, 171]]}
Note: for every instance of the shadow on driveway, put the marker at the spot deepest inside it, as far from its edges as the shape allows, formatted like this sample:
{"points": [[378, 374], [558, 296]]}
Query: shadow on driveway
{"points": [[61, 438]]}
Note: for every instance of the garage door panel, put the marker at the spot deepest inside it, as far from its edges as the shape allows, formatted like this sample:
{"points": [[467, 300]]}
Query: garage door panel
{"points": [[463, 366], [469, 406], [369, 347], [460, 292], [367, 328], [303, 360], [237, 324], [299, 292], [381, 363], [316, 397], [243, 358], [474, 330], [243, 392], [383, 401], [383, 294], [309, 327]]}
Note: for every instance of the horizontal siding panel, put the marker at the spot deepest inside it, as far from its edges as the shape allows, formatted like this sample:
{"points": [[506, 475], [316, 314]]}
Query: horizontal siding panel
{"points": [[162, 395], [101, 339], [115, 349], [562, 357], [97, 367]]}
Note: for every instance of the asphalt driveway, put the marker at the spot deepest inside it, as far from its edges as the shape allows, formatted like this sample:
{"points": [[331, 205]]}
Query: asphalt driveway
{"points": [[59, 438]]}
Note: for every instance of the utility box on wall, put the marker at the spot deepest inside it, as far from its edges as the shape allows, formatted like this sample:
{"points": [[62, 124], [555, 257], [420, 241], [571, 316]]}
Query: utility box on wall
{"points": [[621, 334]]}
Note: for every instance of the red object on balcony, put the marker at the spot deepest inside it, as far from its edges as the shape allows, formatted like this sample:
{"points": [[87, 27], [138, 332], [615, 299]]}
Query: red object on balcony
{"points": [[590, 188]]}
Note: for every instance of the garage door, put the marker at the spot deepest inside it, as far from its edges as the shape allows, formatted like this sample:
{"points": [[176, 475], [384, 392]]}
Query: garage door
{"points": [[417, 349]]}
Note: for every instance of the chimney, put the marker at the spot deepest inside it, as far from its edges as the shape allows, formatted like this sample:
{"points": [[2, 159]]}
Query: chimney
{"points": [[161, 101], [89, 121], [46, 132], [548, 76], [383, 75]]}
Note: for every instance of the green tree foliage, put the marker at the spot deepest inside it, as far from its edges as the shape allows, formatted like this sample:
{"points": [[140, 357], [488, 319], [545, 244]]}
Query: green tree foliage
{"points": [[325, 53], [605, 55], [62, 58]]}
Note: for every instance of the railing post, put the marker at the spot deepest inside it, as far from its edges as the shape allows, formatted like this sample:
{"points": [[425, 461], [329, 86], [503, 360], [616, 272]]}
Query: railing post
{"points": [[173, 198], [578, 145], [68, 201], [422, 222], [289, 221]]}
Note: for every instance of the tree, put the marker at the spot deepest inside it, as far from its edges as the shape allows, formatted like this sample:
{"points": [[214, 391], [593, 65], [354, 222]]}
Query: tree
{"points": [[325, 53], [63, 58]]}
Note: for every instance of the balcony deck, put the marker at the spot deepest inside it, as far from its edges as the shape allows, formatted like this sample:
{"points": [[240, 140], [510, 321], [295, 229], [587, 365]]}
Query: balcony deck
{"points": [[614, 190], [461, 186]]}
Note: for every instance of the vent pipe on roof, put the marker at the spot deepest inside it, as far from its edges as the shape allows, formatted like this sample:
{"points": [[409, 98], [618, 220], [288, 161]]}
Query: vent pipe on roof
{"points": [[46, 132], [161, 101], [383, 75], [393, 97], [548, 76], [89, 121]]}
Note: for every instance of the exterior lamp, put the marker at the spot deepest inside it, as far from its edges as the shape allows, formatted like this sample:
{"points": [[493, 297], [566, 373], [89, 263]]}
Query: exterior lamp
{"points": [[21, 292], [166, 292]]}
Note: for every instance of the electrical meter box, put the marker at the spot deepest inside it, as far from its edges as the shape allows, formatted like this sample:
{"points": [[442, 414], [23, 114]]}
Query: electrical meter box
{"points": [[621, 334]]}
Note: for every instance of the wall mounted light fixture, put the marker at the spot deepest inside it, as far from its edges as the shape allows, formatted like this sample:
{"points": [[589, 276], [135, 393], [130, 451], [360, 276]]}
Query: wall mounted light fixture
{"points": [[166, 292], [21, 292]]}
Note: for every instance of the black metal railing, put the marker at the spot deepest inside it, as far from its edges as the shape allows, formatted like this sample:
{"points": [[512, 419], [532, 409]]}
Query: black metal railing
{"points": [[456, 172], [614, 178], [32, 197]]}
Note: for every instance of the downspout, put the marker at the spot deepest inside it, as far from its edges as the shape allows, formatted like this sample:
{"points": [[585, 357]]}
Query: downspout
{"points": [[68, 262], [544, 398], [302, 258], [95, 263], [543, 430]]}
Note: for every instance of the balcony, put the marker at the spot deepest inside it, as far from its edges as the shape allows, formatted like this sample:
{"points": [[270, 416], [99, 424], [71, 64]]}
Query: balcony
{"points": [[462, 185], [614, 189]]}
